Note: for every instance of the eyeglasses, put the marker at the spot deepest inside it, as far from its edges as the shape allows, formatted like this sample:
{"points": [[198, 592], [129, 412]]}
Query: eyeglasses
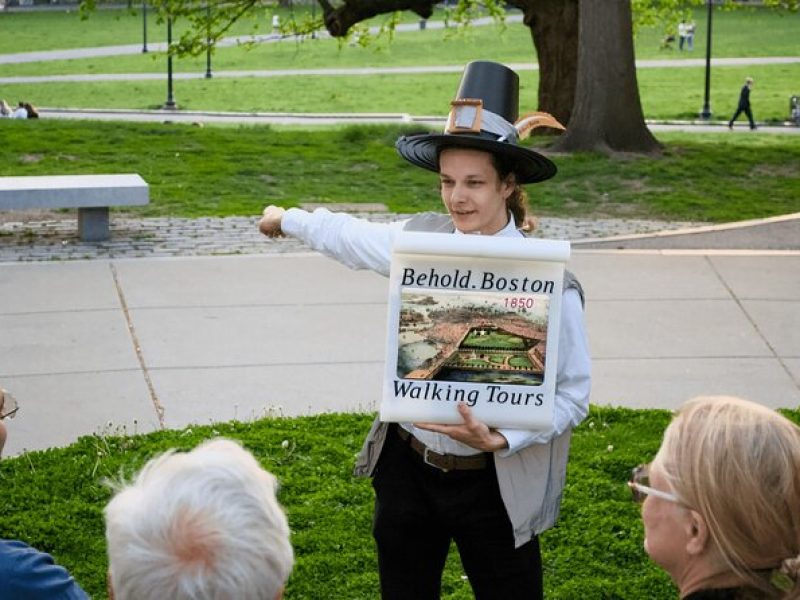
{"points": [[640, 486], [8, 405]]}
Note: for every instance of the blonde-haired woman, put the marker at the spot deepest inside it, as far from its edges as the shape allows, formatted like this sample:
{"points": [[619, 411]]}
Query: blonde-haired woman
{"points": [[721, 500]]}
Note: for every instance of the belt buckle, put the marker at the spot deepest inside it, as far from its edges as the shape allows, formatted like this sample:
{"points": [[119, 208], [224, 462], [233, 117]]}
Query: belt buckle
{"points": [[425, 458]]}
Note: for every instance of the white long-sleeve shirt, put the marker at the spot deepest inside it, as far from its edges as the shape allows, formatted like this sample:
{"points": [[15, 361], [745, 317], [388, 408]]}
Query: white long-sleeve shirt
{"points": [[361, 244]]}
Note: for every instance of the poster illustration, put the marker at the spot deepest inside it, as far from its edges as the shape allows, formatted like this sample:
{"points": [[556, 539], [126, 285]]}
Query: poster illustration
{"points": [[473, 320]]}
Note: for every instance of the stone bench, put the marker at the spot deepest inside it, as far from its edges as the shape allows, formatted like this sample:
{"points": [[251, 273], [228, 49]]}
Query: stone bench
{"points": [[90, 194]]}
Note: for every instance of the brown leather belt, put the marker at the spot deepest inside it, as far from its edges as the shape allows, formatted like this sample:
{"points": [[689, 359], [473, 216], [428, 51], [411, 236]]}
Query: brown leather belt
{"points": [[443, 462]]}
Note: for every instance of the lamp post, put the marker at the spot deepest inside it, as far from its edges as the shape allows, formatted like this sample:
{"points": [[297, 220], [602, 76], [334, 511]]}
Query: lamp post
{"points": [[144, 26], [170, 103], [705, 113], [208, 40]]}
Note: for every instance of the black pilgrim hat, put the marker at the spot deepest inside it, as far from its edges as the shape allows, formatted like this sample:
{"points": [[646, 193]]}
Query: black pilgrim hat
{"points": [[484, 117]]}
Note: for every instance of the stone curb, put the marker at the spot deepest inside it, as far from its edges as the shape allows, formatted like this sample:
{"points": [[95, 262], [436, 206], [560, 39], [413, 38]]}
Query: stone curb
{"points": [[56, 239]]}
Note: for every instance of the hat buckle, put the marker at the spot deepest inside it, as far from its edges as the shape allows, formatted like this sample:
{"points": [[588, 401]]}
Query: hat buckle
{"points": [[465, 116]]}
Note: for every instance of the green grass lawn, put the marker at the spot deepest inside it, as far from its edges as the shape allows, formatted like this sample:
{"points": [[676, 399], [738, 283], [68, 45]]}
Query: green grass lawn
{"points": [[520, 361], [54, 500], [222, 171], [667, 93]]}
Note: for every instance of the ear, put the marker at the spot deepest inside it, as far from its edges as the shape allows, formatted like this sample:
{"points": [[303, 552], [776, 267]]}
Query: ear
{"points": [[697, 534], [509, 183]]}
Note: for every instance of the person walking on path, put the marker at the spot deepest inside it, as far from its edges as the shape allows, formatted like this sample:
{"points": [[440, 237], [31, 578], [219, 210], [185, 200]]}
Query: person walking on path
{"points": [[491, 490], [744, 104]]}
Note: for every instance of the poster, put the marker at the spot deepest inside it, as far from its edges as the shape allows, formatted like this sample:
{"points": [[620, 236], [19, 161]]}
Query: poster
{"points": [[473, 319]]}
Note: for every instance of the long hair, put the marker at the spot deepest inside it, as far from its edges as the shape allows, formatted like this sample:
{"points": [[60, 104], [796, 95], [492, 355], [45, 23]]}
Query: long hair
{"points": [[737, 463], [517, 202]]}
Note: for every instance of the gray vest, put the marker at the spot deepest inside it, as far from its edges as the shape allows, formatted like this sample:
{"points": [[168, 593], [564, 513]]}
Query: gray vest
{"points": [[531, 481]]}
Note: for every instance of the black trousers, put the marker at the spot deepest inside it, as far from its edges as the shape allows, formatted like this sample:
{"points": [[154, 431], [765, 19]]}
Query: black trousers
{"points": [[745, 110], [420, 509]]}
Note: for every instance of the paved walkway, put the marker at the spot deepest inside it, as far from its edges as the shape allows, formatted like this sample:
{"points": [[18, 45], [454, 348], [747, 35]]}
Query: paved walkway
{"points": [[132, 345], [175, 321]]}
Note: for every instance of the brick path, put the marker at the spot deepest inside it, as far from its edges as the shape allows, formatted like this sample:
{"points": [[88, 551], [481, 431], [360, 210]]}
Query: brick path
{"points": [[56, 238]]}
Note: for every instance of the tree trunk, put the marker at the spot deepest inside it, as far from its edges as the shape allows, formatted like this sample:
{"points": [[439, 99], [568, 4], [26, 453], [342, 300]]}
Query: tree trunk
{"points": [[607, 114], [554, 30]]}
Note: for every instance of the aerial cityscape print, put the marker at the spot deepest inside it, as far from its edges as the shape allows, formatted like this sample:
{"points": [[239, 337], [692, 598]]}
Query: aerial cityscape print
{"points": [[472, 337]]}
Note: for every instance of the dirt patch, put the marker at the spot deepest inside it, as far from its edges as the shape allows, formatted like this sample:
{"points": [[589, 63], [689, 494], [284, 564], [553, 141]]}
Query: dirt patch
{"points": [[362, 167], [788, 171], [28, 216], [641, 186]]}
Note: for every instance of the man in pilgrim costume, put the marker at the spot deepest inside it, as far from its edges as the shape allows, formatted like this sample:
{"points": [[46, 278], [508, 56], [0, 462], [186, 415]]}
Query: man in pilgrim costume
{"points": [[491, 491]]}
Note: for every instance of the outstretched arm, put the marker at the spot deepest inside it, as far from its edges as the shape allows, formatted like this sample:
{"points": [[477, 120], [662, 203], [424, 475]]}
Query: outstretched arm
{"points": [[356, 243]]}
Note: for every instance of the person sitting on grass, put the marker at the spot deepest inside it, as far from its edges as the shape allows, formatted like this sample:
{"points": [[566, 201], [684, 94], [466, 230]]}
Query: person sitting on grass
{"points": [[721, 501], [198, 525], [20, 112], [31, 110]]}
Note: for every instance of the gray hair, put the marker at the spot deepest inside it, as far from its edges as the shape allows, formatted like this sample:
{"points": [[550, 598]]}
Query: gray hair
{"points": [[199, 525]]}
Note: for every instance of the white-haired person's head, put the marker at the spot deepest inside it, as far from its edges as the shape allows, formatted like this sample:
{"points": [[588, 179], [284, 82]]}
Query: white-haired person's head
{"points": [[199, 525]]}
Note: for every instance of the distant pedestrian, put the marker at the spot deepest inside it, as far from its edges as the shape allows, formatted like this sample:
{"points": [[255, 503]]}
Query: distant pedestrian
{"points": [[744, 104], [683, 29], [690, 27]]}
